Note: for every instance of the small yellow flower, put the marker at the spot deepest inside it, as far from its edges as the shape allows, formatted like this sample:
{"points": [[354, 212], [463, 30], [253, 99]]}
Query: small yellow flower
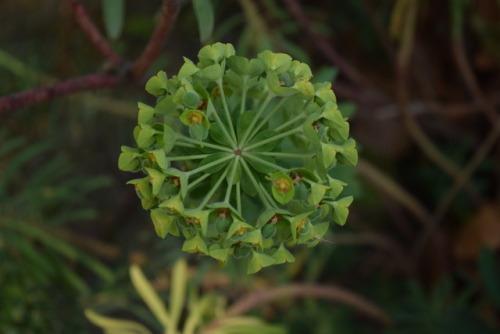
{"points": [[282, 185]]}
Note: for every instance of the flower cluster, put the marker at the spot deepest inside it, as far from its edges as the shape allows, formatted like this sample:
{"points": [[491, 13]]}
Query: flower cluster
{"points": [[237, 154]]}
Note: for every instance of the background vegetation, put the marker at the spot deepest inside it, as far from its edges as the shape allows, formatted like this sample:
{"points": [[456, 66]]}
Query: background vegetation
{"points": [[420, 80]]}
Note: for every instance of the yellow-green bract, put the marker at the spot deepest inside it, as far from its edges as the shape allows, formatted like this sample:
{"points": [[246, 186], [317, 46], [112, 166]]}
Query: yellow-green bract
{"points": [[238, 155]]}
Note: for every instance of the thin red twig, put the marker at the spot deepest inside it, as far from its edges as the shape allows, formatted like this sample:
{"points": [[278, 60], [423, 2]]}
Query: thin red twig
{"points": [[89, 28], [37, 95], [169, 11]]}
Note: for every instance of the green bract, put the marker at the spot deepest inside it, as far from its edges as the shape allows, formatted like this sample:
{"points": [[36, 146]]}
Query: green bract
{"points": [[237, 155]]}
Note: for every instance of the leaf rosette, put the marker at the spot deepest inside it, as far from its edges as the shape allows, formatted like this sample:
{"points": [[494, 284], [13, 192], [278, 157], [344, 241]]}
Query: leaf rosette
{"points": [[237, 155]]}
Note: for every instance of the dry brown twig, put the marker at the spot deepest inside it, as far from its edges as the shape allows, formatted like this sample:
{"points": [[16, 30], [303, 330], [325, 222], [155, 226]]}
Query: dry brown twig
{"points": [[330, 292]]}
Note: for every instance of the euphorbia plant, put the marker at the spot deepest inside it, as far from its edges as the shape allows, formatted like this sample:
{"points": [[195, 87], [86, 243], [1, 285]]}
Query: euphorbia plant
{"points": [[237, 155]]}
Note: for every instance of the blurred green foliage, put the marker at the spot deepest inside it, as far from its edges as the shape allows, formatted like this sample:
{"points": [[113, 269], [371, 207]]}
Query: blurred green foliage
{"points": [[53, 156]]}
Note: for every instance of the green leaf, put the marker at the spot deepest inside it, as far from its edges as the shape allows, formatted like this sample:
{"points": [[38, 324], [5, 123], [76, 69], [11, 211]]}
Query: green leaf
{"points": [[113, 12], [238, 64], [259, 166], [160, 158], [305, 87], [277, 62], [217, 134], [143, 188], [149, 295], [156, 178], [214, 53], [341, 210], [237, 173], [336, 187], [211, 72], [205, 16], [146, 114], [264, 135], [282, 187], [349, 154], [164, 222], [128, 161], [259, 261], [325, 93], [157, 85], [317, 193], [195, 245], [198, 131], [173, 204], [320, 229], [169, 138], [187, 69], [191, 99], [238, 227], [220, 254], [328, 154], [146, 136], [282, 255], [177, 293], [244, 122], [253, 237], [198, 217], [298, 222], [111, 324], [211, 158]]}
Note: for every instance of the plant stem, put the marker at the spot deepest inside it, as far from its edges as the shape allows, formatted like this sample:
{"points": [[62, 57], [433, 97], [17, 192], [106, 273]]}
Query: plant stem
{"points": [[268, 196], [226, 109], [264, 162], [268, 116], [213, 190], [274, 138], [223, 128], [238, 198], [255, 184], [189, 157], [244, 94], [293, 120], [202, 143], [198, 180], [210, 165], [255, 119], [236, 161], [286, 155]]}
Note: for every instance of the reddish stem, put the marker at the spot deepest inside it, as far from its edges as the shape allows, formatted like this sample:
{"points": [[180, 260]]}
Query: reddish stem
{"points": [[89, 28], [169, 11], [37, 95]]}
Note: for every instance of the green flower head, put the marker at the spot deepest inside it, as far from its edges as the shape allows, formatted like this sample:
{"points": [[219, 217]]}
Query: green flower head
{"points": [[237, 156]]}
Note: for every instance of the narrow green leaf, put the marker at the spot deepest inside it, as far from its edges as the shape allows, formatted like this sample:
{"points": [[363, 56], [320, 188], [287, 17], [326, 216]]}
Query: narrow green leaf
{"points": [[204, 12], [111, 324], [177, 293], [113, 12], [149, 295]]}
